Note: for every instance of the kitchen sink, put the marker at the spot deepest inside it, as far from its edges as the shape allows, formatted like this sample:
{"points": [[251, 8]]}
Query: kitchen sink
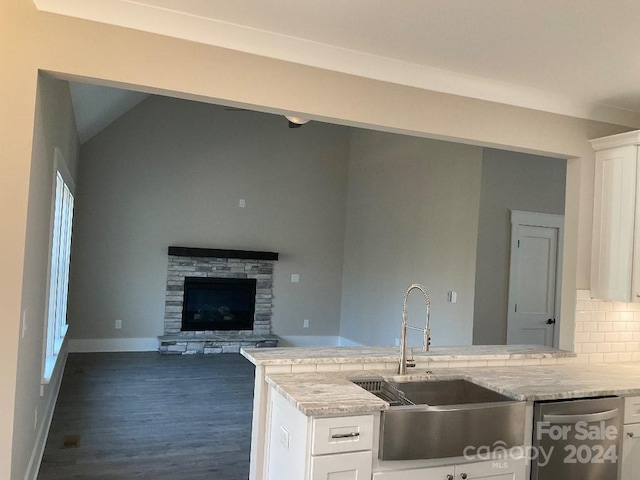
{"points": [[441, 418]]}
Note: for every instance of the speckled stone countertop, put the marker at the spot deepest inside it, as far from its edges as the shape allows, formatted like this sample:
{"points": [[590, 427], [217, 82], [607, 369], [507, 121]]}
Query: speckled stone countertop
{"points": [[332, 393], [300, 355]]}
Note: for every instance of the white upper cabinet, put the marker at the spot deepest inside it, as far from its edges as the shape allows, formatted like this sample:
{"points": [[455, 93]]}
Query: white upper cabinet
{"points": [[615, 259]]}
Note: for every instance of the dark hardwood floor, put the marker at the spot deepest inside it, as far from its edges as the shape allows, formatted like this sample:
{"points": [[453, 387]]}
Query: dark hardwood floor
{"points": [[147, 415]]}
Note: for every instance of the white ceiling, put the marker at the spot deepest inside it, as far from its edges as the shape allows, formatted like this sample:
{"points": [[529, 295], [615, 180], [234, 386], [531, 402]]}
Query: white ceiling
{"points": [[578, 58]]}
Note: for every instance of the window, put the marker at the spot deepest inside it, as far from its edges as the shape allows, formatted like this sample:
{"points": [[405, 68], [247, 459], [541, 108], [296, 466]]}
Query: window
{"points": [[56, 319]]}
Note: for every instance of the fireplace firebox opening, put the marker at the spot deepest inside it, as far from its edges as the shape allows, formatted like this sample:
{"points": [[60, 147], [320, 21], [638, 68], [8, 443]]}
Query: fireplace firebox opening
{"points": [[218, 303]]}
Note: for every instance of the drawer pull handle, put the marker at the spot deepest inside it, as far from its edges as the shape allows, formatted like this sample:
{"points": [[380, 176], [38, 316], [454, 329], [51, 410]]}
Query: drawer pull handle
{"points": [[589, 417], [346, 435]]}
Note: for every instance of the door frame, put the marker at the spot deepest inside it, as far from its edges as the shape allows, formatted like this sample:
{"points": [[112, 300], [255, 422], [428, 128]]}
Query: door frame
{"points": [[535, 219]]}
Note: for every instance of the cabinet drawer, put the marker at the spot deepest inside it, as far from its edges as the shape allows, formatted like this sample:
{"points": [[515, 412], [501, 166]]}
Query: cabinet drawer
{"points": [[631, 410], [431, 473], [345, 466], [342, 434]]}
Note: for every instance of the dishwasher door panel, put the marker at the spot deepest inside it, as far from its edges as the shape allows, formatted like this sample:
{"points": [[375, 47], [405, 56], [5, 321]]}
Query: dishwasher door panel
{"points": [[577, 439]]}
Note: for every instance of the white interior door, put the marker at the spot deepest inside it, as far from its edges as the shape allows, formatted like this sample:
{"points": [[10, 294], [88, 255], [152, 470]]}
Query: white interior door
{"points": [[533, 281]]}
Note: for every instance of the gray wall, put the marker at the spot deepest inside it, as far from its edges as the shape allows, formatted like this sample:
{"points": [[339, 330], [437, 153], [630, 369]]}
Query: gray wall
{"points": [[412, 216], [172, 172], [359, 214], [510, 181], [54, 126]]}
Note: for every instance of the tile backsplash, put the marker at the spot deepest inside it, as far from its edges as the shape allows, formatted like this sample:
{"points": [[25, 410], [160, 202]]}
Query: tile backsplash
{"points": [[606, 331]]}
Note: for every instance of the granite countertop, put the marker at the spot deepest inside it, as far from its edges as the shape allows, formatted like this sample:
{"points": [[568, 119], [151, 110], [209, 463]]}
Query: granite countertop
{"points": [[299, 355], [332, 393]]}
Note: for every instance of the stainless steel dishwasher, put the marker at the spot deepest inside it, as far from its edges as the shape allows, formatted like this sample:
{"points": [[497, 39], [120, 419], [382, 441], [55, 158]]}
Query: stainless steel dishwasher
{"points": [[577, 439]]}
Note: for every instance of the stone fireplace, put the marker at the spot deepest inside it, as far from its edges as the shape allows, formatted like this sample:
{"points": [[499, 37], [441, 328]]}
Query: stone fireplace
{"points": [[217, 301]]}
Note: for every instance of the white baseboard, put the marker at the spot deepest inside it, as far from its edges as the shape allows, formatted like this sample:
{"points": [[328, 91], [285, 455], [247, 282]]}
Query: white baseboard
{"points": [[92, 345], [345, 342], [315, 341], [43, 432]]}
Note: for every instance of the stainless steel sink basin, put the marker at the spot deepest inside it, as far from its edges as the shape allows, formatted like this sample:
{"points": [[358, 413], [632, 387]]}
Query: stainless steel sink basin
{"points": [[447, 392], [440, 418]]}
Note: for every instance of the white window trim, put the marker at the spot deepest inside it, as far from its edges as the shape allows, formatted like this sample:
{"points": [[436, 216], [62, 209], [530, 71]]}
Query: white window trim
{"points": [[51, 352]]}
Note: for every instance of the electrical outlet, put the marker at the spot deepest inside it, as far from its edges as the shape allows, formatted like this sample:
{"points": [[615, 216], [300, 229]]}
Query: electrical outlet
{"points": [[242, 203], [295, 277], [452, 297], [305, 323], [118, 324]]}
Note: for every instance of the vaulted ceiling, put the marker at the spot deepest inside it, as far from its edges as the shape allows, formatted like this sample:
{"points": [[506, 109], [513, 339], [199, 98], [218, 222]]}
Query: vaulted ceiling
{"points": [[562, 56]]}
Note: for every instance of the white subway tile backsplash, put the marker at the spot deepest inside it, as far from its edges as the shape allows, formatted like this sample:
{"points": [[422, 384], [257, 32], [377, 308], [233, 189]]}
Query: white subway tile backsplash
{"points": [[619, 326], [582, 337], [611, 337], [626, 336], [633, 346], [620, 307], [606, 331], [612, 316], [610, 357], [626, 316], [605, 326], [618, 347]]}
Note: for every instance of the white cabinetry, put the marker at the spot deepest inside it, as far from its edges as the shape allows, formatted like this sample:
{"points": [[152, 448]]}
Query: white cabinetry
{"points": [[488, 470], [317, 448], [615, 260], [630, 458]]}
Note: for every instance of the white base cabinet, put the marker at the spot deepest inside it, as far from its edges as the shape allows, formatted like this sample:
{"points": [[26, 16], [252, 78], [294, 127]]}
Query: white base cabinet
{"points": [[630, 456], [317, 448], [487, 470], [342, 448]]}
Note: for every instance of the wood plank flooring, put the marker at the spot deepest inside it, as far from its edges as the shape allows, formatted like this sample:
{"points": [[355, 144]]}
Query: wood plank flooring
{"points": [[147, 415]]}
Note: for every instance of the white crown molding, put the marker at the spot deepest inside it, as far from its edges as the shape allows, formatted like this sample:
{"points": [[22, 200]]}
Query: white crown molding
{"points": [[131, 14], [614, 141]]}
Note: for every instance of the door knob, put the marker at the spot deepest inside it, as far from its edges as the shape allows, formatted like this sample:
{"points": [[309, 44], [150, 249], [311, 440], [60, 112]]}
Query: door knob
{"points": [[449, 477], [551, 321], [463, 476]]}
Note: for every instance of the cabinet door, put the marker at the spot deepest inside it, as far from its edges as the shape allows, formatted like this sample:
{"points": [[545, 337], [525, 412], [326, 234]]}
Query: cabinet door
{"points": [[613, 223], [492, 470], [342, 466], [630, 458]]}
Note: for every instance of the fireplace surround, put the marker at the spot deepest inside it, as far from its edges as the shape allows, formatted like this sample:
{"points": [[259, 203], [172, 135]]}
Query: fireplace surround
{"points": [[242, 282]]}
